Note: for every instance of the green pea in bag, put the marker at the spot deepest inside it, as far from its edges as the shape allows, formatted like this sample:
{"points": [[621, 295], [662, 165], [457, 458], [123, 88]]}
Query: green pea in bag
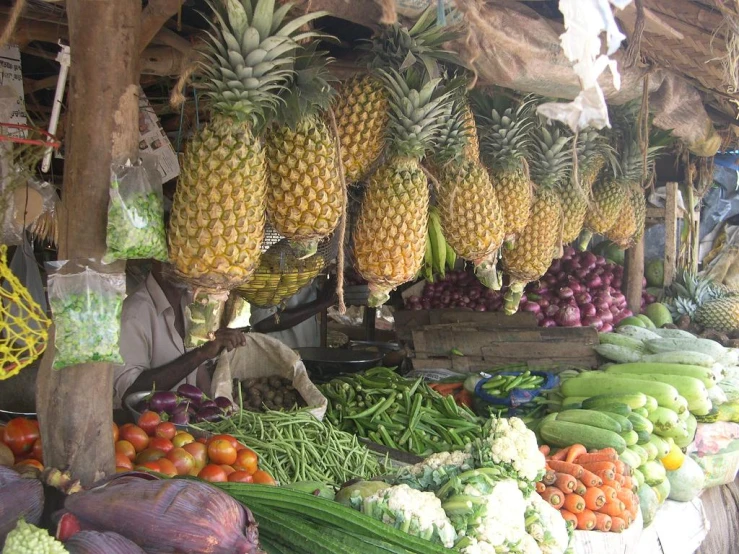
{"points": [[135, 215]]}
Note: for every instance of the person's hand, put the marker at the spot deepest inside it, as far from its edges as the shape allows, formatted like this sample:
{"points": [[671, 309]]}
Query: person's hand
{"points": [[225, 338], [327, 294]]}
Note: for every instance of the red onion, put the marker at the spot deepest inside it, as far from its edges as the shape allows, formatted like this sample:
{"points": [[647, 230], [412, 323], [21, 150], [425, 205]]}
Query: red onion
{"points": [[524, 298], [576, 287], [551, 310], [480, 308], [540, 316], [556, 267], [543, 302], [587, 309], [600, 261], [650, 298], [568, 316], [546, 322], [531, 307], [565, 293], [593, 321], [627, 313], [607, 328], [594, 282], [606, 316]]}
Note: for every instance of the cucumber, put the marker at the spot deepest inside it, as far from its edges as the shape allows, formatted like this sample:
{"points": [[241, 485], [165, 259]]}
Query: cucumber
{"points": [[565, 433], [640, 423], [622, 420], [615, 353], [639, 451], [692, 425], [680, 357], [662, 446], [592, 418], [651, 450], [631, 458], [641, 411], [648, 322], [644, 368], [620, 409], [638, 476], [654, 473], [644, 438], [618, 339], [706, 346], [691, 389], [635, 400], [638, 333], [631, 438], [664, 421], [569, 405], [674, 334], [651, 404], [662, 490], [666, 395]]}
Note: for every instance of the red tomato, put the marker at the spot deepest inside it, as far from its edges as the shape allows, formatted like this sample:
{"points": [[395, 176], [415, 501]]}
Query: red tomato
{"points": [[168, 468], [149, 455], [222, 452], [136, 436], [213, 473], [30, 462], [125, 448], [20, 434], [161, 444], [37, 452], [240, 477], [263, 478], [183, 461], [166, 430], [247, 460], [121, 460], [115, 433], [148, 421], [152, 466], [228, 469], [199, 453], [231, 440], [182, 438]]}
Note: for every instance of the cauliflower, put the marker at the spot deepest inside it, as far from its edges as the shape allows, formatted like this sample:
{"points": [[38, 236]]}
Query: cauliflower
{"points": [[509, 444], [546, 526], [414, 512], [434, 471], [29, 539]]}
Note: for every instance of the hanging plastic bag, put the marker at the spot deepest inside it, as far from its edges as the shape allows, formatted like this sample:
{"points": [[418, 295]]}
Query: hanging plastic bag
{"points": [[86, 305], [135, 215]]}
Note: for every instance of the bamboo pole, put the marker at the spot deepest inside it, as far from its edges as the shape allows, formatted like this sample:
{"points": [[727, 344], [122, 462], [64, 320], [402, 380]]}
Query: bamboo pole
{"points": [[74, 405]]}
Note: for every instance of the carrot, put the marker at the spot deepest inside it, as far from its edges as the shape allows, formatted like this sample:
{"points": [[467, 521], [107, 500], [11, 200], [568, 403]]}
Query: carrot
{"points": [[540, 487], [613, 508], [617, 524], [628, 483], [465, 398], [603, 522], [586, 520], [575, 451], [613, 484], [560, 455], [590, 479], [446, 388], [607, 475], [594, 498], [598, 466], [566, 467], [627, 497], [609, 492], [605, 455], [580, 488], [574, 503], [565, 483], [544, 449], [554, 496], [622, 468], [569, 517], [549, 477]]}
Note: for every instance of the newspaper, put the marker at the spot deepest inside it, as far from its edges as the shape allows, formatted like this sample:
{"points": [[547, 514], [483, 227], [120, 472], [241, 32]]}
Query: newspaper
{"points": [[11, 77], [154, 143]]}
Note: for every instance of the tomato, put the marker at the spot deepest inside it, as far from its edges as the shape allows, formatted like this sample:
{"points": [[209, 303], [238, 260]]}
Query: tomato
{"points": [[213, 473], [240, 477], [166, 430], [151, 466], [161, 444], [149, 455], [37, 452], [182, 438], [228, 469], [20, 434], [168, 468], [263, 478], [199, 453], [247, 460], [126, 448], [183, 461], [222, 452], [136, 436], [122, 469], [202, 440], [121, 460], [2, 432], [231, 440], [115, 433], [30, 462], [148, 421]]}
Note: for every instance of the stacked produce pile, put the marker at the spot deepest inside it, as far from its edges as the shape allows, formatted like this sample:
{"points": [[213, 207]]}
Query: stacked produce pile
{"points": [[20, 444], [186, 405]]}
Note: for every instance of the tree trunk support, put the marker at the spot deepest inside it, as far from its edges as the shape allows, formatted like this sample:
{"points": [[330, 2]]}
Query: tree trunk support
{"points": [[635, 275], [74, 405]]}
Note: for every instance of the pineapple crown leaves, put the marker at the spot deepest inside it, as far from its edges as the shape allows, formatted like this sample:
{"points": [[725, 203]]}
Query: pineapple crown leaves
{"points": [[249, 56], [456, 128], [310, 91], [417, 108], [551, 155]]}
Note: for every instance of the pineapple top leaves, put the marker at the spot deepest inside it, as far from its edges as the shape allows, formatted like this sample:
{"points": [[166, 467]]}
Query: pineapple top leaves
{"points": [[505, 129], [551, 156], [417, 108], [455, 129], [249, 56]]}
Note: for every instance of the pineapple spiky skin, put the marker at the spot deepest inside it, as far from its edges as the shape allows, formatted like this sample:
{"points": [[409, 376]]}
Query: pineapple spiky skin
{"points": [[362, 114], [720, 314], [515, 195], [630, 222], [217, 221], [574, 208], [472, 146], [576, 195], [304, 197], [609, 197], [390, 233]]}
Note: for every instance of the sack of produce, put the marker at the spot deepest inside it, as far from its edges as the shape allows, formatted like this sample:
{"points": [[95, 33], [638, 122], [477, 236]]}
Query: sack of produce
{"points": [[135, 215], [716, 450], [19, 498], [190, 516], [86, 303], [94, 542], [265, 356]]}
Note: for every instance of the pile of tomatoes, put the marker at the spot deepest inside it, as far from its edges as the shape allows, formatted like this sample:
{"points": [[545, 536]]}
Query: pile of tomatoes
{"points": [[21, 437], [156, 445]]}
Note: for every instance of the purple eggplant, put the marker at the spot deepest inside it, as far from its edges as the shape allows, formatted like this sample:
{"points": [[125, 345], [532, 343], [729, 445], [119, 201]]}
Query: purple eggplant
{"points": [[213, 413], [163, 401], [180, 418], [191, 392], [142, 406], [225, 404], [208, 404]]}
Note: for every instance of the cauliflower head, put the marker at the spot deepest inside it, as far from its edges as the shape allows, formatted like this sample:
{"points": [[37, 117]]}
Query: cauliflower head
{"points": [[546, 526], [29, 539], [434, 471]]}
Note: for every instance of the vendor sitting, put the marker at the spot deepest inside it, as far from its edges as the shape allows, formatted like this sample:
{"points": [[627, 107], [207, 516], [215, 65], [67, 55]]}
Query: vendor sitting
{"points": [[152, 339]]}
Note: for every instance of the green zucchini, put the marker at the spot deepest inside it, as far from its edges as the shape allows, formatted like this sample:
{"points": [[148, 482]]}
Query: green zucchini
{"points": [[623, 421], [640, 423], [565, 433], [644, 438], [666, 395], [697, 372], [635, 400], [592, 418]]}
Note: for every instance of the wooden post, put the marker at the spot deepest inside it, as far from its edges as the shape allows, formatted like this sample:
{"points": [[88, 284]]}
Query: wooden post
{"points": [[671, 233], [74, 405], [634, 275]]}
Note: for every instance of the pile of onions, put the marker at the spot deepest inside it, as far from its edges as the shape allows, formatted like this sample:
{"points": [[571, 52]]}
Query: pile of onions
{"points": [[580, 289]]}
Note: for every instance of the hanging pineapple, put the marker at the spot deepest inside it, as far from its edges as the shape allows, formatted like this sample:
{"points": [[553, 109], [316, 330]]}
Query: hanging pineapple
{"points": [[305, 198], [217, 221], [471, 219], [390, 233], [363, 107], [504, 141], [535, 248]]}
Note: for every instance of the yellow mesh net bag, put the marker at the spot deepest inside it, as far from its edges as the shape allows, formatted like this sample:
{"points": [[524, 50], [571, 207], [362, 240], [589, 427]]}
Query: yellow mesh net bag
{"points": [[23, 326]]}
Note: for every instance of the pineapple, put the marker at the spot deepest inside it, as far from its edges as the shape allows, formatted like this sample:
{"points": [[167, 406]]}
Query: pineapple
{"points": [[504, 140], [217, 221], [610, 193], [471, 218], [305, 198], [390, 232], [720, 314], [363, 108], [708, 304], [624, 232], [539, 243]]}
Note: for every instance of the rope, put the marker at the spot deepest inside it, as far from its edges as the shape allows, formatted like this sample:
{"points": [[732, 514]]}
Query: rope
{"points": [[177, 98], [15, 15], [342, 224], [643, 125], [632, 52]]}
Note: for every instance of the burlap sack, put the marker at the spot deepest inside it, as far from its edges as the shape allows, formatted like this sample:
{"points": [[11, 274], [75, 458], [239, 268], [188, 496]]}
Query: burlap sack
{"points": [[264, 356]]}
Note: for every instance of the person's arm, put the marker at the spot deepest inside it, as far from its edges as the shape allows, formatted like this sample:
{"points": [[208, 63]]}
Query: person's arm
{"points": [[289, 318]]}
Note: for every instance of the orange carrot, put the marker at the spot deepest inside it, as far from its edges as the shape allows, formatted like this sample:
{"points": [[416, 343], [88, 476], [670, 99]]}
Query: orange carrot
{"points": [[549, 477], [622, 468], [586, 520], [544, 449], [580, 488], [607, 475], [613, 484], [566, 467], [598, 466], [564, 482], [575, 451], [627, 497], [446, 389], [594, 498], [613, 508], [609, 492], [540, 487], [465, 398], [590, 479], [605, 455], [628, 482], [617, 524], [560, 455], [602, 522], [569, 517], [574, 503], [554, 496]]}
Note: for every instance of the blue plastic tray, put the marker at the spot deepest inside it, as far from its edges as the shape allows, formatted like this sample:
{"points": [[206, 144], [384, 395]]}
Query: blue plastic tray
{"points": [[517, 397]]}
